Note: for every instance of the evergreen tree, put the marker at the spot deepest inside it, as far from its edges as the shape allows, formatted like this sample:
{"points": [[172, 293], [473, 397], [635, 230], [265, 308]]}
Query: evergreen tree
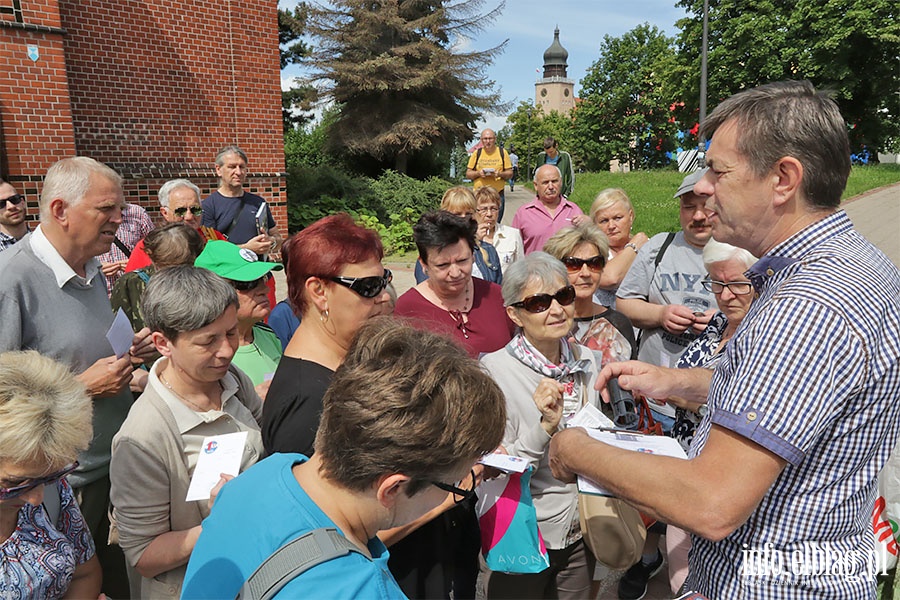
{"points": [[291, 28], [398, 75]]}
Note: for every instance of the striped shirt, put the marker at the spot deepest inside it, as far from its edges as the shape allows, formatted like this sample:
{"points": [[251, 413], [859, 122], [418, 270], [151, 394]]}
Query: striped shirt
{"points": [[813, 375]]}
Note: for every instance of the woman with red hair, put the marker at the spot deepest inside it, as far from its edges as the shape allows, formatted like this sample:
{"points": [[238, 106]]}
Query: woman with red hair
{"points": [[336, 282]]}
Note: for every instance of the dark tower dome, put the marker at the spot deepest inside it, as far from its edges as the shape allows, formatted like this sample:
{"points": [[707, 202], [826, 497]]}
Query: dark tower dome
{"points": [[555, 58]]}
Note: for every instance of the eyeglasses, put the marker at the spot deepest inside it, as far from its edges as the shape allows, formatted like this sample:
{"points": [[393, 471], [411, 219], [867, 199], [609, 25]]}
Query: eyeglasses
{"points": [[738, 288], [17, 490], [183, 210], [367, 287], [459, 494], [538, 303], [594, 263], [486, 210], [15, 199], [246, 286]]}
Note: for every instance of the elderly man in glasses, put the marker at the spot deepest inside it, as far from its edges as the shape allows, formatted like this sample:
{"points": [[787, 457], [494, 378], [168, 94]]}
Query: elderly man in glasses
{"points": [[12, 216], [179, 201]]}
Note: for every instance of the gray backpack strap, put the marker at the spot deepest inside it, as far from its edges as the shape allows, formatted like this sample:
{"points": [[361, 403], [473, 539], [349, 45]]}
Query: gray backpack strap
{"points": [[52, 502], [297, 556]]}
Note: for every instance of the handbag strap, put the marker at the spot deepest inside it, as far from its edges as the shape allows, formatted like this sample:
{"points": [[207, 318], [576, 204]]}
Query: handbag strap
{"points": [[297, 556], [121, 246]]}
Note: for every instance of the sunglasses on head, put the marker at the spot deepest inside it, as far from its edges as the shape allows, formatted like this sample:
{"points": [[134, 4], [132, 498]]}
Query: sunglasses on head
{"points": [[183, 210], [367, 287], [573, 265], [17, 490], [538, 303], [15, 199], [246, 286]]}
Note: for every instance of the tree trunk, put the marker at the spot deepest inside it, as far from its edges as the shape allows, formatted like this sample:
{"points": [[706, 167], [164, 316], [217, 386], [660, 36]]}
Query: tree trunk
{"points": [[401, 161]]}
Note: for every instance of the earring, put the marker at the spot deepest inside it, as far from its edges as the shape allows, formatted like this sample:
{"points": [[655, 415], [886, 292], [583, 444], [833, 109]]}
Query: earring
{"points": [[324, 316]]}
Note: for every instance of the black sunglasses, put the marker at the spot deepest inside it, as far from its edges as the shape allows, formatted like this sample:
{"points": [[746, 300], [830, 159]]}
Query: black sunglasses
{"points": [[17, 490], [183, 210], [246, 286], [573, 265], [459, 494], [15, 199], [538, 303], [367, 287]]}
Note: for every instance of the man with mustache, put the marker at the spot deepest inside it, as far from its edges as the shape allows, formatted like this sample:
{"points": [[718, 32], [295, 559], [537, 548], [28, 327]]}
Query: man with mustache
{"points": [[662, 293]]}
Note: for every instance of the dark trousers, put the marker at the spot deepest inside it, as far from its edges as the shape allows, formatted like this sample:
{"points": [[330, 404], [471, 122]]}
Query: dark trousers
{"points": [[502, 206], [93, 499], [569, 577]]}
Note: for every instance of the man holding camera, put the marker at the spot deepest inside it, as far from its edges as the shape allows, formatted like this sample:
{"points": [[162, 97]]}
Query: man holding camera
{"points": [[490, 165]]}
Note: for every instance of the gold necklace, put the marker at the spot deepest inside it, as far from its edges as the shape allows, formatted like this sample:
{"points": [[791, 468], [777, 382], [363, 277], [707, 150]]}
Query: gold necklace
{"points": [[183, 399]]}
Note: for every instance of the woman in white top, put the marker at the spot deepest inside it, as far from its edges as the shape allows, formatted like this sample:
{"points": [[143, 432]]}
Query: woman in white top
{"points": [[506, 240]]}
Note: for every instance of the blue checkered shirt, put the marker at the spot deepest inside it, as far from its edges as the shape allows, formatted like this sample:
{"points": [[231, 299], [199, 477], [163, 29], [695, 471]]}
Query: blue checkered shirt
{"points": [[6, 241], [813, 375]]}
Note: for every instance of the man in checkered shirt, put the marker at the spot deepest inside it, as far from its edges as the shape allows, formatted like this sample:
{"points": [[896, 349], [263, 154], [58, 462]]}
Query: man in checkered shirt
{"points": [[803, 408]]}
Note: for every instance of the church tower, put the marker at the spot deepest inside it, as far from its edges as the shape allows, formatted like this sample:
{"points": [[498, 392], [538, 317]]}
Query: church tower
{"points": [[555, 91]]}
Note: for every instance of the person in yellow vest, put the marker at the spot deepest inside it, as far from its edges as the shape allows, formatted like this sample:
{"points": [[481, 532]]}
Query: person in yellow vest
{"points": [[490, 165]]}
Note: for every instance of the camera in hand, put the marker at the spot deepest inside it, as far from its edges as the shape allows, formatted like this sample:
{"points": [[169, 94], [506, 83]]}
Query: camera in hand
{"points": [[622, 403]]}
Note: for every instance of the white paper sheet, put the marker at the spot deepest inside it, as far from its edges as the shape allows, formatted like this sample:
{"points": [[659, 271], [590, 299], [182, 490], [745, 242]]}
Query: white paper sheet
{"points": [[590, 417], [219, 454], [636, 442], [505, 462], [120, 334]]}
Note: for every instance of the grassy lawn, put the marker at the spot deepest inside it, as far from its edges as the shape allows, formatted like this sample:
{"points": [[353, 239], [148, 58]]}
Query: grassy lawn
{"points": [[656, 210]]}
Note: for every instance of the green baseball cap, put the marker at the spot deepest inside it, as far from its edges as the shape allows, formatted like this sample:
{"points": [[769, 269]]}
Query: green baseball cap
{"points": [[231, 262]]}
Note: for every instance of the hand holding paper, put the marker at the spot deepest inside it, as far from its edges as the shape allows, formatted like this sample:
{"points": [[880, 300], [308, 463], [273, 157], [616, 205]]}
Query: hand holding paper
{"points": [[219, 454]]}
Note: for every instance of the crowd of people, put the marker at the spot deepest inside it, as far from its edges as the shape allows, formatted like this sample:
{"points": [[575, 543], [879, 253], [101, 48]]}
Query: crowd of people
{"points": [[764, 336]]}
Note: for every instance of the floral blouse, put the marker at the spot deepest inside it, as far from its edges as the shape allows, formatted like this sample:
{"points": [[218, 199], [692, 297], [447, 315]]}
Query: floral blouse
{"points": [[38, 560], [700, 353]]}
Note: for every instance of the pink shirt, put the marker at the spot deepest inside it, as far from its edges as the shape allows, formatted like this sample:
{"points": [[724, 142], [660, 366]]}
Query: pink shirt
{"points": [[536, 224]]}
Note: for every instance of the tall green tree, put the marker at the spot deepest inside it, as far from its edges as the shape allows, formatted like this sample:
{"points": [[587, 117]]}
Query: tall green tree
{"points": [[626, 102], [400, 81], [297, 101], [851, 47]]}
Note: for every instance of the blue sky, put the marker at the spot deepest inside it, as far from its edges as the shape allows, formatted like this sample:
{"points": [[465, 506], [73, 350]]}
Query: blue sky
{"points": [[529, 24]]}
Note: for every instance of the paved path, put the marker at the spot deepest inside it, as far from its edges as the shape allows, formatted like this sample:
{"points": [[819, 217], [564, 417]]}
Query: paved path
{"points": [[876, 214]]}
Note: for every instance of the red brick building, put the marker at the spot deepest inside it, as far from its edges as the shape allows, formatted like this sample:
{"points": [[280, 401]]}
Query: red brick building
{"points": [[153, 89]]}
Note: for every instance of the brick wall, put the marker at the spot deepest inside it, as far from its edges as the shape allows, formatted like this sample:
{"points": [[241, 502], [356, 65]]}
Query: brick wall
{"points": [[153, 89], [35, 112]]}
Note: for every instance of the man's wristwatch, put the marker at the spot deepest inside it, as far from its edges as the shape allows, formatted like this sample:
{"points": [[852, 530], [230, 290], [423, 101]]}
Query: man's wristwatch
{"points": [[633, 246]]}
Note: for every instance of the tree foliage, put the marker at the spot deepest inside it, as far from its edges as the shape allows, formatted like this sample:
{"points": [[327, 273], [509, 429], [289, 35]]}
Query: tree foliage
{"points": [[401, 83], [625, 110], [297, 101], [527, 127], [850, 47]]}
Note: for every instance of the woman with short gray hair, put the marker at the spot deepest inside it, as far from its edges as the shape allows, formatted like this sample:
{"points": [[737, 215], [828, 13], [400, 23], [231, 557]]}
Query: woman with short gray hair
{"points": [[546, 379], [193, 392]]}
